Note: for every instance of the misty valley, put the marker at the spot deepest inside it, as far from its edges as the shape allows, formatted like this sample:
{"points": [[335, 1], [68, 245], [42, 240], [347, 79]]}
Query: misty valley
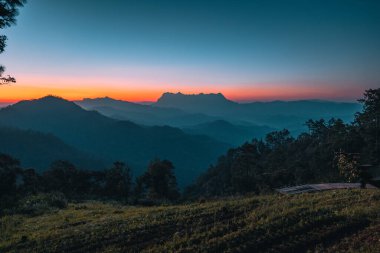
{"points": [[215, 165], [192, 131]]}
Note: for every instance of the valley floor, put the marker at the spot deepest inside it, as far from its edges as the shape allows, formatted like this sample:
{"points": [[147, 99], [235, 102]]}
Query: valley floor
{"points": [[332, 221]]}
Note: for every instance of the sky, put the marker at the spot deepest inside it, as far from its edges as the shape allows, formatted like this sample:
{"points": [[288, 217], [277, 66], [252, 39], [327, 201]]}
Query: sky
{"points": [[248, 50]]}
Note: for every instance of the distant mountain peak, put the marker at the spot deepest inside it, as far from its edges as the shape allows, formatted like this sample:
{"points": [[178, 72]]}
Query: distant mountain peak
{"points": [[200, 97], [194, 102], [51, 98], [92, 103], [180, 94], [106, 98], [47, 103]]}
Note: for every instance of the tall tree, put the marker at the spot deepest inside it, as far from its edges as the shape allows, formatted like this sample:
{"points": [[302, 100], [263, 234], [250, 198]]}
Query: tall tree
{"points": [[8, 12], [118, 181], [159, 181], [368, 122], [9, 169], [31, 182], [62, 176]]}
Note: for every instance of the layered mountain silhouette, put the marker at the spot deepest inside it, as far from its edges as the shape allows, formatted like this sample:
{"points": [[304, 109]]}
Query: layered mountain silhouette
{"points": [[213, 104], [232, 133], [143, 114], [193, 123], [111, 139], [106, 129], [4, 104], [199, 110], [38, 150], [275, 114]]}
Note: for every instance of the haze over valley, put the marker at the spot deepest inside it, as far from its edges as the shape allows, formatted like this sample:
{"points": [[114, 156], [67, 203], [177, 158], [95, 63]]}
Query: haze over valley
{"points": [[171, 128]]}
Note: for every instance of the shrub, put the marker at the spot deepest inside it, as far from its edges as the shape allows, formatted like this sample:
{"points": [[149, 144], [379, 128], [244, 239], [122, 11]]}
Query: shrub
{"points": [[41, 203]]}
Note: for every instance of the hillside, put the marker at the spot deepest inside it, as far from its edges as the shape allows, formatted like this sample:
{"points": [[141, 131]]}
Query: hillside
{"points": [[143, 114], [192, 123], [4, 104], [195, 113], [333, 221], [231, 133], [207, 103], [111, 140], [275, 114], [38, 150], [219, 105]]}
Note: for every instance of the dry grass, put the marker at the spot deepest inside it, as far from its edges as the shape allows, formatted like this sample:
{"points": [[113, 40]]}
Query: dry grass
{"points": [[334, 221]]}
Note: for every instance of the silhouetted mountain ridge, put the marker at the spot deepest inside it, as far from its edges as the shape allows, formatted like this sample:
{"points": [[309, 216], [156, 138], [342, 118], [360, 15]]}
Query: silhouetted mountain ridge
{"points": [[39, 150], [195, 102], [143, 114], [232, 133], [189, 111], [275, 114], [111, 139]]}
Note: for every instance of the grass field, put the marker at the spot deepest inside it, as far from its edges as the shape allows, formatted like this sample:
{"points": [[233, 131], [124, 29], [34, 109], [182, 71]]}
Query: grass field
{"points": [[333, 221]]}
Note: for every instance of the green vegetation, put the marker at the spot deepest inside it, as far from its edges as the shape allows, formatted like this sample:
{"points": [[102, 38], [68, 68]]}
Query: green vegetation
{"points": [[106, 139], [52, 211], [158, 183], [28, 145], [25, 191], [333, 221], [281, 159]]}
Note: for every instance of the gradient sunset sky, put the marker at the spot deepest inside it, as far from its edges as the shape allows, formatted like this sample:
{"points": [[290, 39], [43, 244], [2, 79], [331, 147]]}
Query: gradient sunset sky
{"points": [[248, 50]]}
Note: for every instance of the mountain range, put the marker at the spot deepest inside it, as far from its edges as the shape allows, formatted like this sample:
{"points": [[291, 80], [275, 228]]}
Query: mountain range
{"points": [[142, 113], [38, 150], [275, 114], [110, 140], [190, 130], [4, 104], [234, 134], [189, 111]]}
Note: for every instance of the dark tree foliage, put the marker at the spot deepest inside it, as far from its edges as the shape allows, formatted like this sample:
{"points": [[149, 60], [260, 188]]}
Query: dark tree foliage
{"points": [[368, 124], [31, 182], [281, 160], [8, 12], [114, 183], [30, 192], [62, 176], [118, 181], [158, 182], [9, 170], [257, 167]]}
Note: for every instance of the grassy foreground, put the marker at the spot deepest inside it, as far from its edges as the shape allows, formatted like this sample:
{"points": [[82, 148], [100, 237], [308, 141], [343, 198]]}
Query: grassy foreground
{"points": [[334, 221]]}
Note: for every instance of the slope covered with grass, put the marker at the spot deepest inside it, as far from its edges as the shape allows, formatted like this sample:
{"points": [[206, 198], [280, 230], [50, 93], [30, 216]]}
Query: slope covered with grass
{"points": [[333, 221]]}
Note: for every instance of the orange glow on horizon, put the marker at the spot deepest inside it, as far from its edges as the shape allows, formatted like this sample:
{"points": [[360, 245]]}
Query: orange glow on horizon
{"points": [[138, 91]]}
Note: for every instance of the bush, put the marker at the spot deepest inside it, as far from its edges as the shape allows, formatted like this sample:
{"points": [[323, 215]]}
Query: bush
{"points": [[41, 203]]}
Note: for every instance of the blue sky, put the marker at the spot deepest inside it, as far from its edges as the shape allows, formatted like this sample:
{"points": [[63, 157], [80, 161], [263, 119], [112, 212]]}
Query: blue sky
{"points": [[329, 49]]}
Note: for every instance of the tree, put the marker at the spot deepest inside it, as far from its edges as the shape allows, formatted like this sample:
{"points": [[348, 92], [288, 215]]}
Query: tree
{"points": [[278, 139], [31, 182], [159, 181], [118, 181], [9, 170], [8, 12], [368, 123], [62, 176], [349, 168]]}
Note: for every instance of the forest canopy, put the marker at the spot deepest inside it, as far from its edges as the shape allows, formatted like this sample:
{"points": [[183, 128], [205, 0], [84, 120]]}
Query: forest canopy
{"points": [[323, 154], [281, 160]]}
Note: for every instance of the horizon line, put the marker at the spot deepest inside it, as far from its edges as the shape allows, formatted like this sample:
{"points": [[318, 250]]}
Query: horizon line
{"points": [[242, 101]]}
